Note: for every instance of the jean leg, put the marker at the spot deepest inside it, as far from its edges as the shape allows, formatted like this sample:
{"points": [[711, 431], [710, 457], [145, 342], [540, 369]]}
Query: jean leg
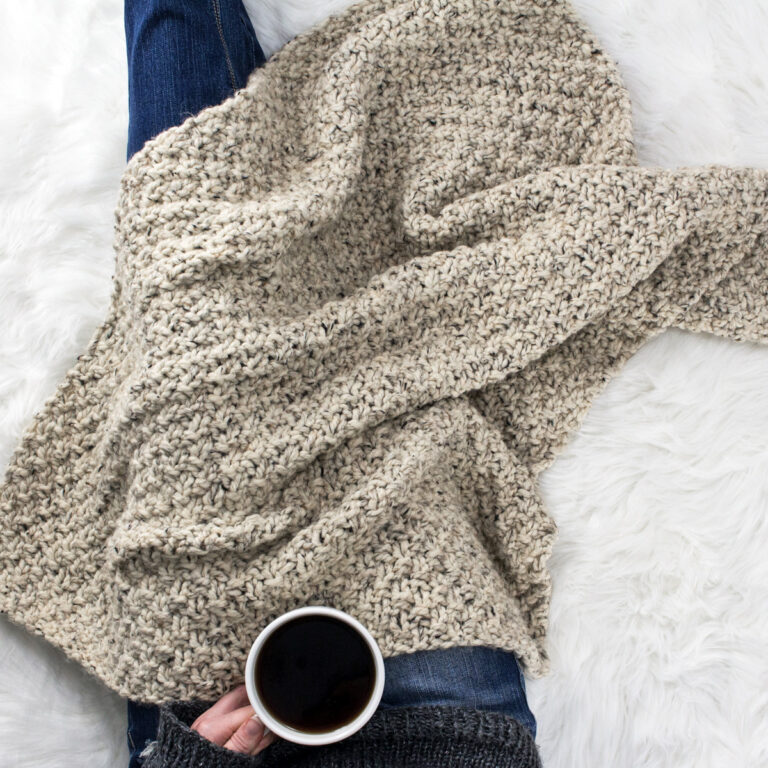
{"points": [[479, 677], [143, 721], [183, 56]]}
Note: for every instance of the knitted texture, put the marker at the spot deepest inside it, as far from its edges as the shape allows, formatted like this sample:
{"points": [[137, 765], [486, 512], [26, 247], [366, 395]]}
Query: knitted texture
{"points": [[357, 309], [412, 737]]}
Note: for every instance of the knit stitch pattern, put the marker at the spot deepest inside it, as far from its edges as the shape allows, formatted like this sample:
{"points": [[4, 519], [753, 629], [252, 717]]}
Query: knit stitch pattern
{"points": [[357, 309], [416, 737]]}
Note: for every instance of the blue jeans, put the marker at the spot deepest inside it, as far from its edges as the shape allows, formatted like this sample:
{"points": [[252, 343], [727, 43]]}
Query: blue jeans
{"points": [[478, 677], [183, 56]]}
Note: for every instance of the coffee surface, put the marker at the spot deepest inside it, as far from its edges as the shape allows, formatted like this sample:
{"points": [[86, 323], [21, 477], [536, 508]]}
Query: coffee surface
{"points": [[315, 674]]}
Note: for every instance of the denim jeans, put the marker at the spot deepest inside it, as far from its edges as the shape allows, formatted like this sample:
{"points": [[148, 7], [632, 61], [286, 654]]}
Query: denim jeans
{"points": [[183, 56]]}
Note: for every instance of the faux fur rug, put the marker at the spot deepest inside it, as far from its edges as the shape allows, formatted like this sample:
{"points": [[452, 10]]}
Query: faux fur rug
{"points": [[659, 625]]}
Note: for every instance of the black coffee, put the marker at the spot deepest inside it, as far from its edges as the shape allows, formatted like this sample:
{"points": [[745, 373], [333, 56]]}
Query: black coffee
{"points": [[315, 674]]}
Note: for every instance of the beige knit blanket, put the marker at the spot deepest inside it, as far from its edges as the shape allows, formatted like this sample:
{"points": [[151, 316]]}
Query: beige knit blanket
{"points": [[357, 309]]}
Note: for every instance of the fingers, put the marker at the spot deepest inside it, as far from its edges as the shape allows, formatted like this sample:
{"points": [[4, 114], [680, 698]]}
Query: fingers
{"points": [[237, 697], [269, 738], [250, 738], [230, 723], [218, 728]]}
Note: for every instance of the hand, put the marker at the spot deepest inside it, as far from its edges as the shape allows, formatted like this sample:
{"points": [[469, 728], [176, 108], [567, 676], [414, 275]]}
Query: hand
{"points": [[230, 724]]}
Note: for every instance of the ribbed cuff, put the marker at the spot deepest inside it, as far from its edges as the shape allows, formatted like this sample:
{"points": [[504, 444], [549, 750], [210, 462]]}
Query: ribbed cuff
{"points": [[432, 737]]}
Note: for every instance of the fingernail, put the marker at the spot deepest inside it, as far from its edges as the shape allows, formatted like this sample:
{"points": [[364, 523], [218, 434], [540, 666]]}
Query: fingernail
{"points": [[254, 726]]}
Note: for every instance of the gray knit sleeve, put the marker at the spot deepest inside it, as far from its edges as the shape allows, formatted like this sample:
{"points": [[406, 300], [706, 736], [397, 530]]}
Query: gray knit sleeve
{"points": [[411, 737]]}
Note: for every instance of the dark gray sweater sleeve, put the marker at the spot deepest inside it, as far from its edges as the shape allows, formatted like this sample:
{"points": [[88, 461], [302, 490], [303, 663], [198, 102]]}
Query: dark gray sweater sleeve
{"points": [[403, 737]]}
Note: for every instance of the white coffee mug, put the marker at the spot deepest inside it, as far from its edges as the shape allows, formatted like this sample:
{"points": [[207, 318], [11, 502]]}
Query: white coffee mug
{"points": [[288, 732]]}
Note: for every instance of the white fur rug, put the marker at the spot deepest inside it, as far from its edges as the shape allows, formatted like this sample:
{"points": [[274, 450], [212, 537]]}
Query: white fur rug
{"points": [[659, 620]]}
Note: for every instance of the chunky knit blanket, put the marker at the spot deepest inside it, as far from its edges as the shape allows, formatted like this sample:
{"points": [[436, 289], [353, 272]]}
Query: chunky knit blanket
{"points": [[357, 309]]}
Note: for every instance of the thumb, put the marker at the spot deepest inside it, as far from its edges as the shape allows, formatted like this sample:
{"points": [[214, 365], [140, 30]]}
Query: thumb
{"points": [[248, 737]]}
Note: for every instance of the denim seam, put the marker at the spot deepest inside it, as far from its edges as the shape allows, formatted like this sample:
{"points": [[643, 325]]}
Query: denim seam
{"points": [[220, 28]]}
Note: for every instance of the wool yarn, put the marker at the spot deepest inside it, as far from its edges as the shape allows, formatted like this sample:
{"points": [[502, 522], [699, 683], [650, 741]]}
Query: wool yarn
{"points": [[357, 309], [419, 737]]}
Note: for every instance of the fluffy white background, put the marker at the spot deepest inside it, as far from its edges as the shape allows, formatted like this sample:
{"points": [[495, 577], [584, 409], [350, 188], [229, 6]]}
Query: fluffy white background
{"points": [[659, 623]]}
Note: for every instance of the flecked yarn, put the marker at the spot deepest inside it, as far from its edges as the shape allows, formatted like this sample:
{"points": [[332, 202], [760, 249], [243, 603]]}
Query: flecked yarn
{"points": [[357, 309]]}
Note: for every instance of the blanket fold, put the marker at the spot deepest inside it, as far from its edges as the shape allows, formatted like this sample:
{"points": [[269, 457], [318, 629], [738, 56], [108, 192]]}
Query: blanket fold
{"points": [[357, 309]]}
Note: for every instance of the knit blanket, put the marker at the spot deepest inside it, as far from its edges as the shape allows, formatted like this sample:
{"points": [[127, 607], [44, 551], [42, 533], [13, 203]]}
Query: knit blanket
{"points": [[357, 309]]}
